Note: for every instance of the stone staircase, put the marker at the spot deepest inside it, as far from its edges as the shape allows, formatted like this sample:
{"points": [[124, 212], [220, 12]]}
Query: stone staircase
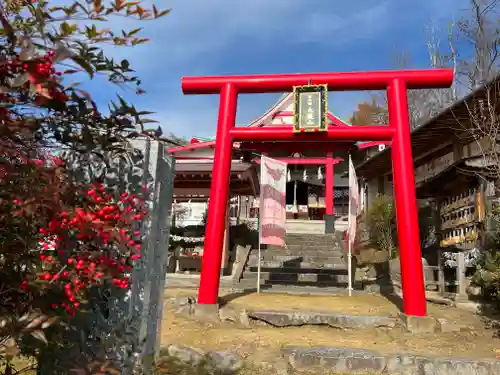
{"points": [[310, 261]]}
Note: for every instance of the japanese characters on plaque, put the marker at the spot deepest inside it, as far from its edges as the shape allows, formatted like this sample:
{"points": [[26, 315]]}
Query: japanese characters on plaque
{"points": [[310, 108]]}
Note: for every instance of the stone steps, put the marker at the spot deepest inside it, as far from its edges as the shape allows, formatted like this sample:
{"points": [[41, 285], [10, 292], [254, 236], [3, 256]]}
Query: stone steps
{"points": [[296, 290], [310, 239], [301, 253], [299, 278], [293, 259], [310, 262], [285, 285], [303, 247], [302, 267]]}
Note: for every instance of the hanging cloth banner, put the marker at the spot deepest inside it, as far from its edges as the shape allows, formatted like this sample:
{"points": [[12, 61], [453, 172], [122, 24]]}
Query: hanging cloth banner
{"points": [[273, 175], [352, 218], [354, 200]]}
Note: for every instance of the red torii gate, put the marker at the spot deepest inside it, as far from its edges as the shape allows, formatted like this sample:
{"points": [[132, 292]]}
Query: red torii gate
{"points": [[398, 132]]}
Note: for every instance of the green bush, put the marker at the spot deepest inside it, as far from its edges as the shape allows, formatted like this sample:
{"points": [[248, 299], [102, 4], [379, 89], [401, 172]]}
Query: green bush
{"points": [[381, 223], [487, 275]]}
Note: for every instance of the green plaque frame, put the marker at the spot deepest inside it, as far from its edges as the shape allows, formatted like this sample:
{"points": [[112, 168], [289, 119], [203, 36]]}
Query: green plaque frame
{"points": [[322, 124]]}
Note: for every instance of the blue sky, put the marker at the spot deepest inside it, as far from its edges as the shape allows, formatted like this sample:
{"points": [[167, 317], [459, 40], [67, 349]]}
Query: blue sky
{"points": [[219, 37]]}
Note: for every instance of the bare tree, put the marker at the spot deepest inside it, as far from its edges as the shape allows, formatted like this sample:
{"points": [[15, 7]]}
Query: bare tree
{"points": [[471, 50], [478, 68], [423, 104], [483, 126], [478, 61]]}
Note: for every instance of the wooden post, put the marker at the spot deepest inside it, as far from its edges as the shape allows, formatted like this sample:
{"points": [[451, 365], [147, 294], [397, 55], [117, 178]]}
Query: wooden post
{"points": [[437, 228]]}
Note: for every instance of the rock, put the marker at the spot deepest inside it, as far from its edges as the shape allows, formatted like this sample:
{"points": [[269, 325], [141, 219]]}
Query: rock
{"points": [[445, 325], [228, 313], [371, 273], [185, 355], [361, 273], [395, 270], [366, 255], [355, 361], [337, 360], [185, 305], [183, 301], [456, 366], [370, 255], [419, 324], [224, 362], [187, 310], [402, 364], [211, 362], [295, 318], [244, 320], [279, 366]]}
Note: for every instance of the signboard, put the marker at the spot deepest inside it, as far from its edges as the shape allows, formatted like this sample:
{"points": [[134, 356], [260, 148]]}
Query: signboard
{"points": [[310, 108], [433, 168], [273, 202]]}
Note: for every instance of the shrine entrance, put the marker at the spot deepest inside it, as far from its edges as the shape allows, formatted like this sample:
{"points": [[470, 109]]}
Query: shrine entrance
{"points": [[396, 83]]}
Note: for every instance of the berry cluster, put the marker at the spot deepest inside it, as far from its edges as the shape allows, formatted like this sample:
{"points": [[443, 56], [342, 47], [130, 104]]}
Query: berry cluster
{"points": [[95, 242], [40, 72]]}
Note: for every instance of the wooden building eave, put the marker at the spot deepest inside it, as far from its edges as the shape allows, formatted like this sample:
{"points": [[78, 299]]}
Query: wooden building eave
{"points": [[452, 125]]}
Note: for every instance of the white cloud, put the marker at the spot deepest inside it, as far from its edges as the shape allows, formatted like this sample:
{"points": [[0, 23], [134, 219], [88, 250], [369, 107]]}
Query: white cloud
{"points": [[196, 31], [196, 34], [199, 37]]}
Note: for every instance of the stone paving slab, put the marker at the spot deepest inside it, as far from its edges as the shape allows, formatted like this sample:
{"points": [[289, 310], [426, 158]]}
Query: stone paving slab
{"points": [[359, 361], [335, 320]]}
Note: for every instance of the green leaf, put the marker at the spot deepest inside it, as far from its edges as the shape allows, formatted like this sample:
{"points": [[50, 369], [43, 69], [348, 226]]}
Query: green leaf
{"points": [[125, 65], [38, 334], [164, 12], [66, 29], [133, 32], [84, 64], [138, 41]]}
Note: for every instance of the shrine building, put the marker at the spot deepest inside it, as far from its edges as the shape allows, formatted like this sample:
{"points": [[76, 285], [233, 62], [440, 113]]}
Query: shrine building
{"points": [[317, 186]]}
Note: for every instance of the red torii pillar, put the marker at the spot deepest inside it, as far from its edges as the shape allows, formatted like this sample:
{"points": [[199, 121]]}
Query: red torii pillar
{"points": [[395, 82]]}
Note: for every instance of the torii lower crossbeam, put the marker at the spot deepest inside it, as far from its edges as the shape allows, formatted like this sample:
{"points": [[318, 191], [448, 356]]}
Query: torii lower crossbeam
{"points": [[397, 132]]}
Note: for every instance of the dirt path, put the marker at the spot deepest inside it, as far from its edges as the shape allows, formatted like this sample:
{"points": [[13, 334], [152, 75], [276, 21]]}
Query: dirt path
{"points": [[261, 340]]}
